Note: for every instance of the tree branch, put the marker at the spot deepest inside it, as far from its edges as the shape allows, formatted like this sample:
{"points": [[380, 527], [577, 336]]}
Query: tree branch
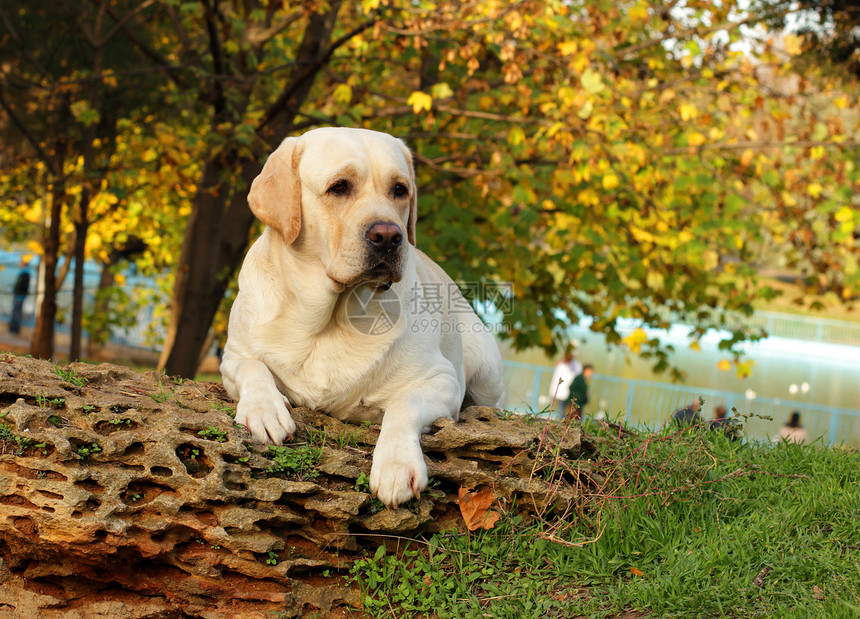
{"points": [[219, 102], [628, 52], [160, 61], [120, 24], [313, 62], [24, 49], [183, 34], [28, 135], [760, 144]]}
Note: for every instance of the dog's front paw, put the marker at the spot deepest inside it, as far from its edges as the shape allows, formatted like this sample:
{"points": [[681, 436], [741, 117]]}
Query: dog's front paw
{"points": [[398, 472], [266, 418]]}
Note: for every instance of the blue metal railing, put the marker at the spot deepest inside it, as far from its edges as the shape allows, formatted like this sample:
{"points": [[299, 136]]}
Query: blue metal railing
{"points": [[650, 404]]}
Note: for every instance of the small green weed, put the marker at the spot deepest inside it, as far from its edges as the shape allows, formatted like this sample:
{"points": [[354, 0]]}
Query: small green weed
{"points": [[347, 439], [119, 422], [223, 408], [298, 462], [88, 408], [70, 376], [58, 422], [194, 458], [19, 443], [85, 451], [161, 396], [316, 436], [362, 483], [55, 403], [213, 434], [273, 558]]}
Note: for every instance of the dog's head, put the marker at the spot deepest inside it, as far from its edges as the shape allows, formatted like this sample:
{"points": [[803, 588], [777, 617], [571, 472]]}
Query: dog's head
{"points": [[344, 196]]}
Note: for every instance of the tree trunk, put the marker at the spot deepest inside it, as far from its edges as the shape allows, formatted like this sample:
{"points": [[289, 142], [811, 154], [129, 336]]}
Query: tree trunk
{"points": [[81, 227], [210, 254], [216, 237], [42, 345]]}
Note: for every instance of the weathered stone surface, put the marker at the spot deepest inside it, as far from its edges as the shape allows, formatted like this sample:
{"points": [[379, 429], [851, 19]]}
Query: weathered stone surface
{"points": [[132, 496]]}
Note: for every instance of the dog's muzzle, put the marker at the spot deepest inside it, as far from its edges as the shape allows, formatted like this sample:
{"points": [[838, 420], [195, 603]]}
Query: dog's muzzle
{"points": [[385, 253]]}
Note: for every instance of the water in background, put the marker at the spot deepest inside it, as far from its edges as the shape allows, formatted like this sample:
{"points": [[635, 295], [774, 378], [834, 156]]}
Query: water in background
{"points": [[798, 370]]}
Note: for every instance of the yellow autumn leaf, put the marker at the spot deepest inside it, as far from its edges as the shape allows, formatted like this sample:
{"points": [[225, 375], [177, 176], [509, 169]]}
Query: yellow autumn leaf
{"points": [[568, 48], [585, 111], [793, 44], [638, 12], [696, 139], [610, 181], [516, 136], [724, 365], [592, 81], [744, 368], [643, 236], [441, 91], [688, 111], [420, 101], [580, 62], [844, 214], [694, 345], [814, 189], [747, 157], [635, 340], [343, 93]]}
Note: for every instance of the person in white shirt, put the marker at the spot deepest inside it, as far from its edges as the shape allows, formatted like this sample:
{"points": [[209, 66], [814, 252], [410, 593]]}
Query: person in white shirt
{"points": [[565, 371]]}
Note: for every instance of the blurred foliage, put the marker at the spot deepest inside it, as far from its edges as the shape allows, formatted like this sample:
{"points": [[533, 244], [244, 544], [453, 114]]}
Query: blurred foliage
{"points": [[617, 160]]}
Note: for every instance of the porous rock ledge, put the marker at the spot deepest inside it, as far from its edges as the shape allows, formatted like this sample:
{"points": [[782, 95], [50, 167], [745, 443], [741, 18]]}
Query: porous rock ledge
{"points": [[129, 495]]}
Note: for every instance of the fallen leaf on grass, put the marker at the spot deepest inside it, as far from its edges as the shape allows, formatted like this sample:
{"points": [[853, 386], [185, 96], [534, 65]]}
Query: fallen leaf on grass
{"points": [[758, 581], [475, 508], [817, 593], [636, 572]]}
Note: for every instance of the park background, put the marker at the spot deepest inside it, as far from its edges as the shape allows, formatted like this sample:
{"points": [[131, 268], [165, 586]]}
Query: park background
{"points": [[646, 176]]}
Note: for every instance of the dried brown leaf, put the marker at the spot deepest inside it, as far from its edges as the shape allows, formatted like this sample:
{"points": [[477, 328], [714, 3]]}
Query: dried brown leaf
{"points": [[475, 509]]}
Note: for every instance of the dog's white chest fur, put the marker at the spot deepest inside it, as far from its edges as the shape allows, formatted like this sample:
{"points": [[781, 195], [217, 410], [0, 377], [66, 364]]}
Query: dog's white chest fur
{"points": [[333, 370]]}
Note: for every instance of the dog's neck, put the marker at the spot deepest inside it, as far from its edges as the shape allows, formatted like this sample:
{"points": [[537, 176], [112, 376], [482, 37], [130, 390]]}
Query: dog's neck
{"points": [[318, 308]]}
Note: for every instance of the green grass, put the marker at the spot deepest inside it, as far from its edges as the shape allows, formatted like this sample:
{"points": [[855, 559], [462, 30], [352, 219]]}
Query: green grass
{"points": [[698, 516], [70, 376], [294, 461]]}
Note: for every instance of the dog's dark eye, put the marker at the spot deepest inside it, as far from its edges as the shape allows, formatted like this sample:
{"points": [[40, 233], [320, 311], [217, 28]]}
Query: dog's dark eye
{"points": [[339, 188], [400, 190]]}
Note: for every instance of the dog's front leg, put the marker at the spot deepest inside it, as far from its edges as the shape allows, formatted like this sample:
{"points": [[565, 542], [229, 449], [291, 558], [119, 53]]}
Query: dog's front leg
{"points": [[398, 472], [261, 407]]}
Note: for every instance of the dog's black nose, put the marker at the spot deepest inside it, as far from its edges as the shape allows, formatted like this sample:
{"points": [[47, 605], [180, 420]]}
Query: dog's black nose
{"points": [[384, 235]]}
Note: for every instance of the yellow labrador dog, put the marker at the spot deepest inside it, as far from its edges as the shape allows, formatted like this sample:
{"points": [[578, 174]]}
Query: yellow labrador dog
{"points": [[338, 311]]}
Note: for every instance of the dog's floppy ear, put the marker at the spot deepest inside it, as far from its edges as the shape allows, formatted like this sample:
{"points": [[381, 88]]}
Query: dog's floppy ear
{"points": [[276, 194], [413, 200]]}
